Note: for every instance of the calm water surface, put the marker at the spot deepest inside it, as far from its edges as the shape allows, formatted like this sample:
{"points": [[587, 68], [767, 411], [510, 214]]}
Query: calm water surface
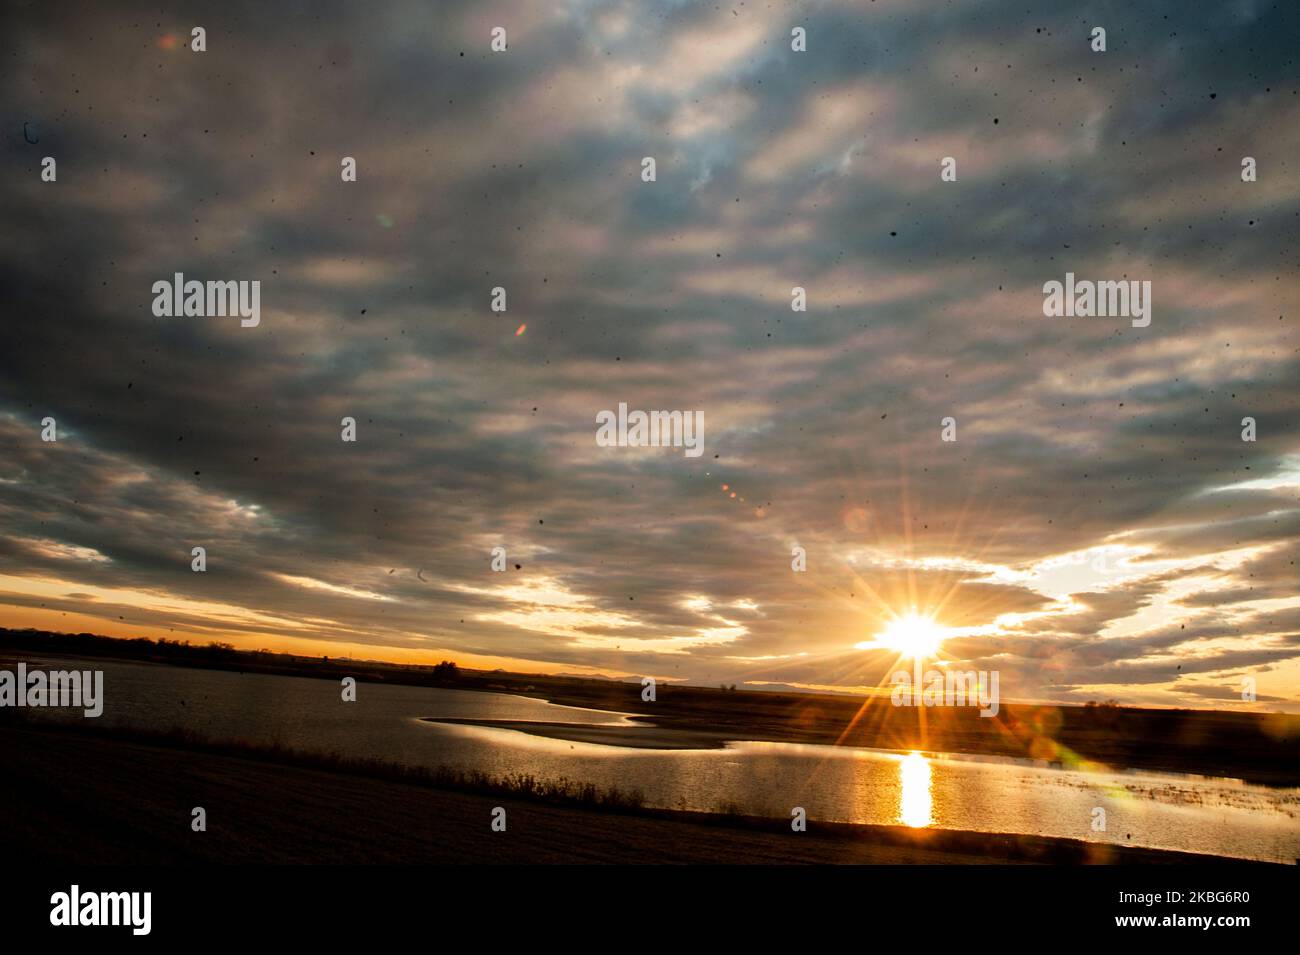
{"points": [[1196, 814]]}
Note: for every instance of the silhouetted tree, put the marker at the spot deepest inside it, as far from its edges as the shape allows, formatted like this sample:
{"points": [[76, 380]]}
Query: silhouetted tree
{"points": [[446, 672]]}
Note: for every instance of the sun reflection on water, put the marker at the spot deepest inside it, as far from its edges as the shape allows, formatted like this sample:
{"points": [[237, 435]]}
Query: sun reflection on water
{"points": [[915, 804]]}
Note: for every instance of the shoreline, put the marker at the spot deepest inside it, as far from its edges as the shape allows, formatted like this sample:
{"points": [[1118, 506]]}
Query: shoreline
{"points": [[650, 736], [1257, 748], [129, 803]]}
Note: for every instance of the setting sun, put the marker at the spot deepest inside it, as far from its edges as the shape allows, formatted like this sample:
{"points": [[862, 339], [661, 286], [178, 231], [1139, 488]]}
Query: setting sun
{"points": [[912, 635]]}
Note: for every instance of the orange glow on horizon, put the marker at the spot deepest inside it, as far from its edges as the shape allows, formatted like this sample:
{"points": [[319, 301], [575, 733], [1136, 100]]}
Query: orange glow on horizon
{"points": [[20, 618]]}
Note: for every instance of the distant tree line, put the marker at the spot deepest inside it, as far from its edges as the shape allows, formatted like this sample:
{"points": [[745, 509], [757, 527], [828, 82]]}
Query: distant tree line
{"points": [[214, 654]]}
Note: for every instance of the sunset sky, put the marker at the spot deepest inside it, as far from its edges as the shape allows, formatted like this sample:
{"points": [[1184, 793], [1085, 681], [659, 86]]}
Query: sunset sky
{"points": [[1098, 530]]}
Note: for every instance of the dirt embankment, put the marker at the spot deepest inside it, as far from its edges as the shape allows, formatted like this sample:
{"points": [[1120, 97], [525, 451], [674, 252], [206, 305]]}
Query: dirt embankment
{"points": [[77, 798]]}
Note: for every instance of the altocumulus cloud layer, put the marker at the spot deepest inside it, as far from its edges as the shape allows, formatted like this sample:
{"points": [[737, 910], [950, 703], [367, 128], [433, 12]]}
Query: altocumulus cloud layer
{"points": [[1099, 528]]}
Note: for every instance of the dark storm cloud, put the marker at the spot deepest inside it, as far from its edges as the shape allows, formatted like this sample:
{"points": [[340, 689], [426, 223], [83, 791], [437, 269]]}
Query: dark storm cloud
{"points": [[775, 169]]}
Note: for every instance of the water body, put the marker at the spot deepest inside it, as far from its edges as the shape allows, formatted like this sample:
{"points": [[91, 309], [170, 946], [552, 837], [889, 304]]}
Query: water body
{"points": [[1223, 817]]}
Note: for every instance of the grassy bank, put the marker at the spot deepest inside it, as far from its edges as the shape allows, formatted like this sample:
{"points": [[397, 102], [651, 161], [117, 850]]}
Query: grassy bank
{"points": [[78, 795]]}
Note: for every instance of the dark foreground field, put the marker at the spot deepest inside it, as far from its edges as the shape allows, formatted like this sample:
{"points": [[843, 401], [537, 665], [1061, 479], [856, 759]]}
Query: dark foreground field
{"points": [[73, 798]]}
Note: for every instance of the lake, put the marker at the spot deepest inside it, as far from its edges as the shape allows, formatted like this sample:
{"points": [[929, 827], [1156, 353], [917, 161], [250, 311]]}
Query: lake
{"points": [[1159, 810]]}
